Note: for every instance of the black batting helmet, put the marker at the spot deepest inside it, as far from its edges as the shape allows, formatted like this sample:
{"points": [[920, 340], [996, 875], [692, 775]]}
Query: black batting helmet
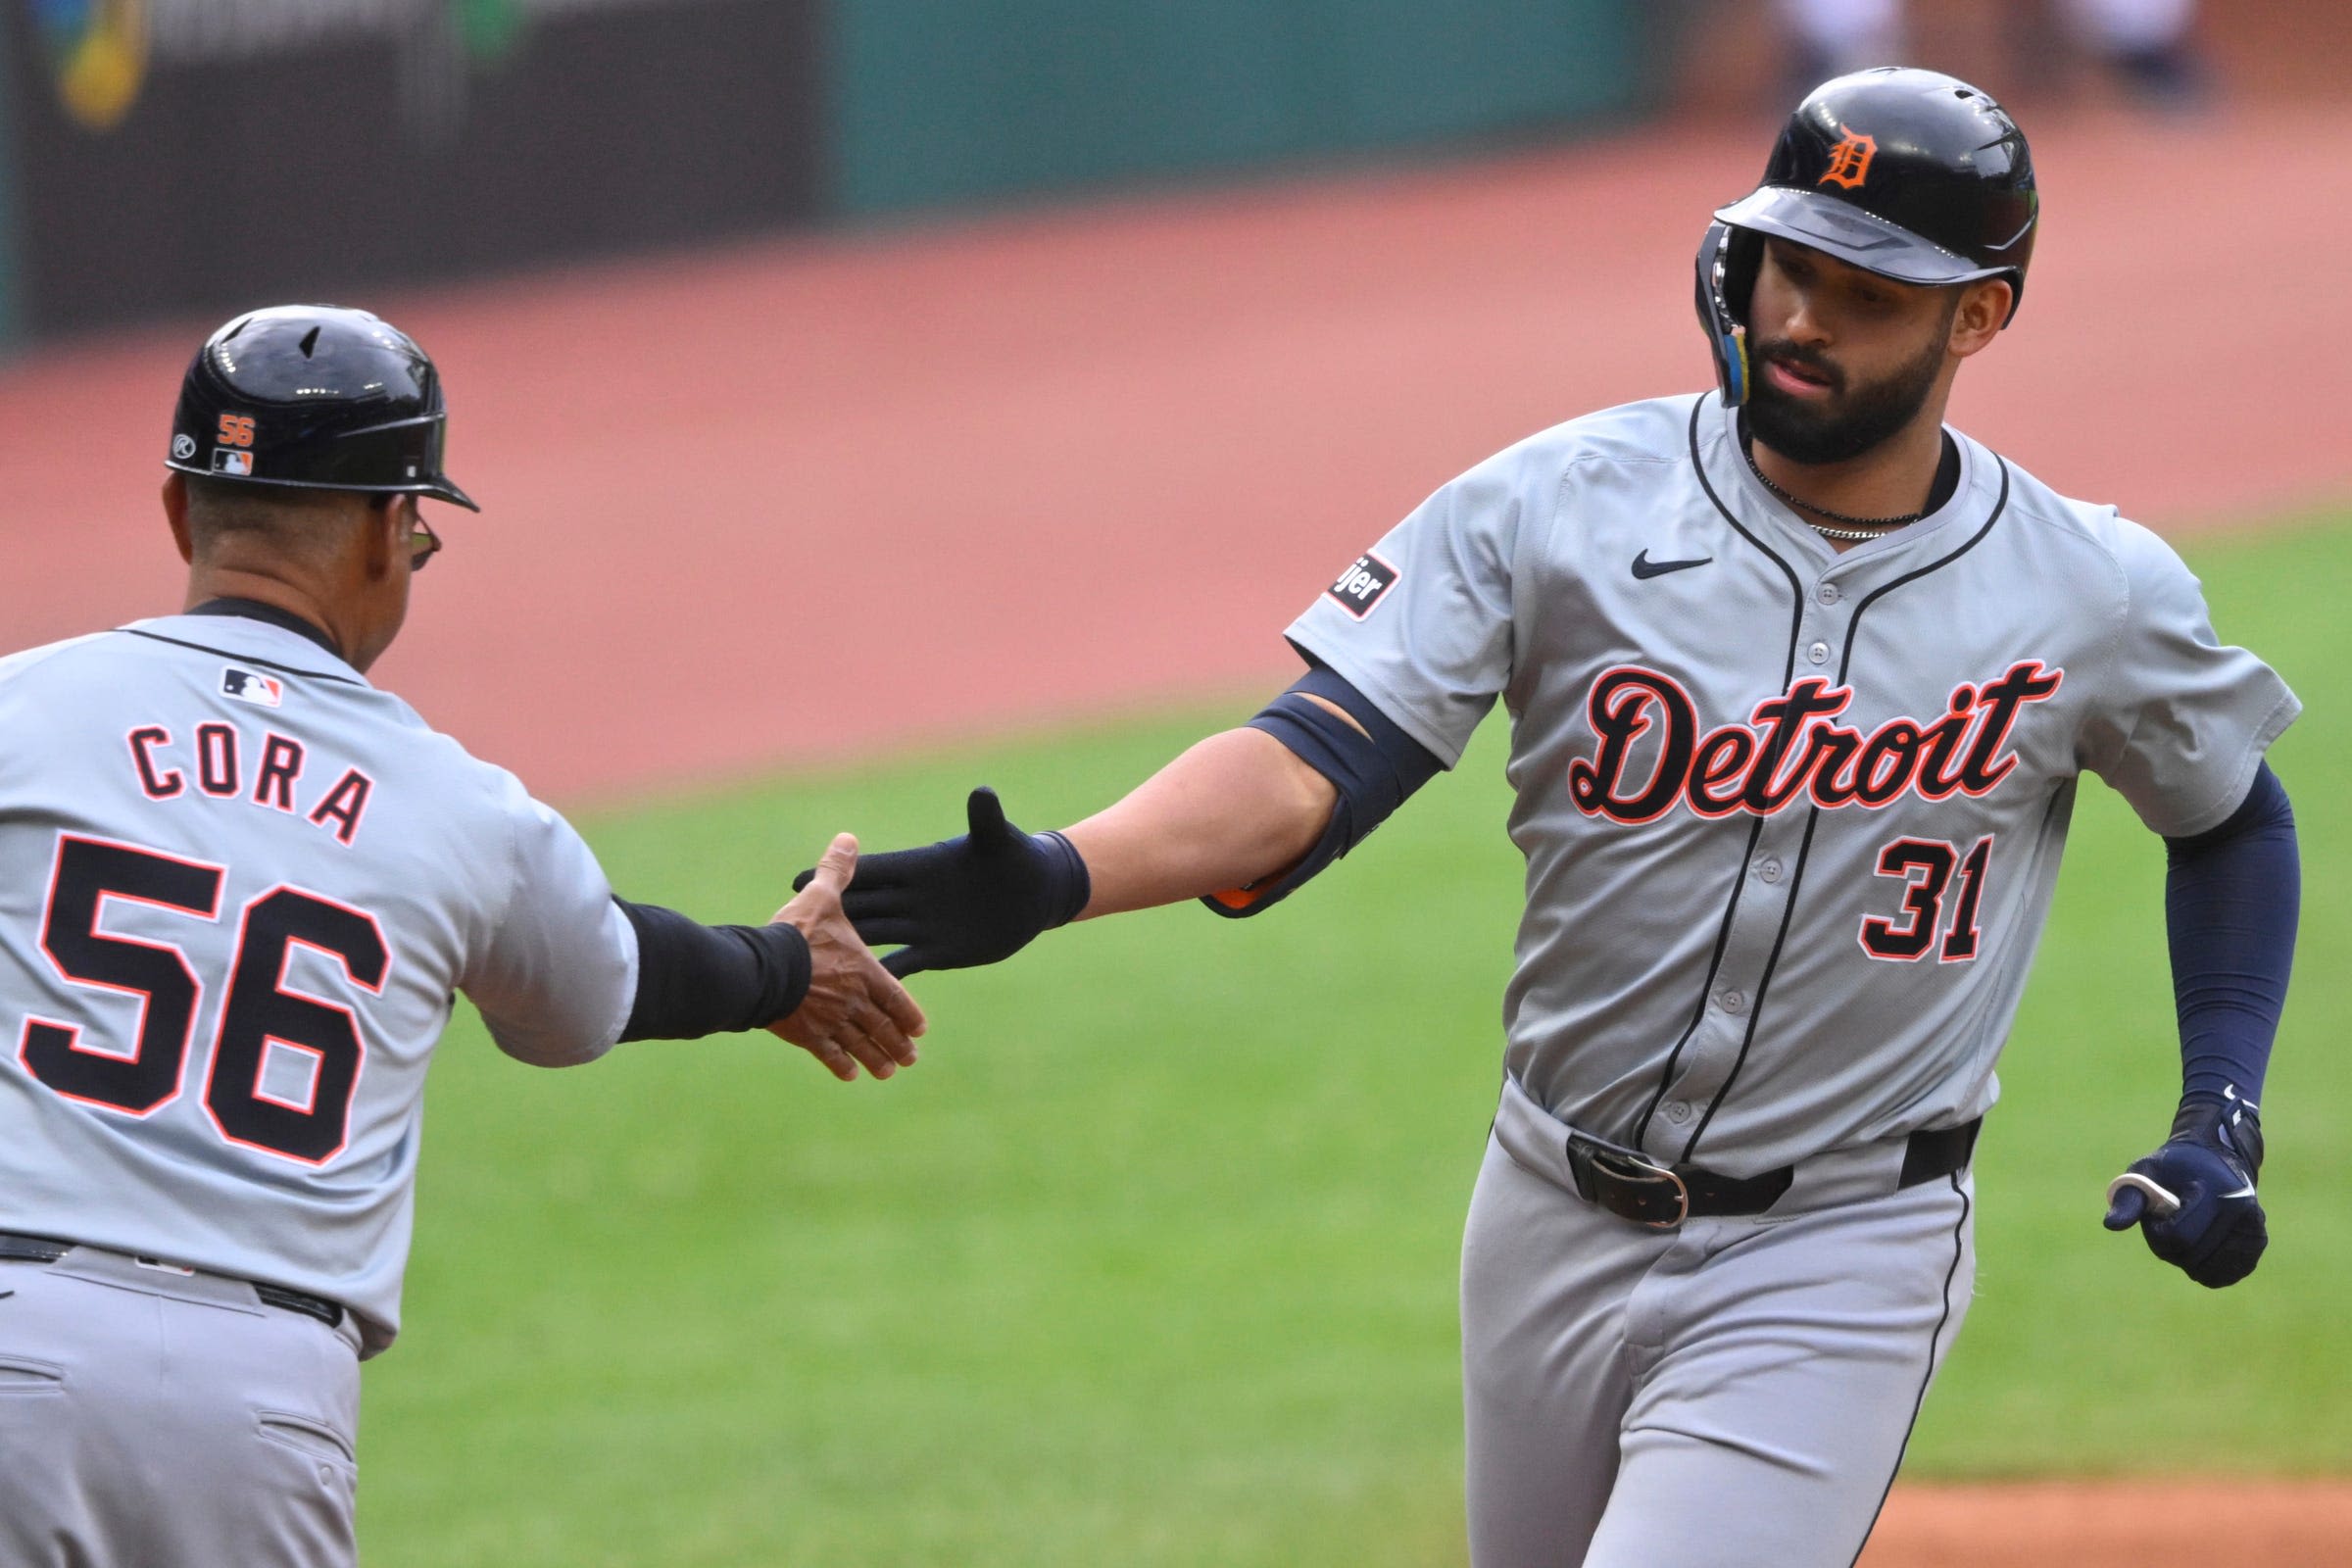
{"points": [[315, 396], [1912, 175]]}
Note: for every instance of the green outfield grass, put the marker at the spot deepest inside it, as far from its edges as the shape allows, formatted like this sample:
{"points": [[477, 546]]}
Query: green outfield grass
{"points": [[1151, 1259]]}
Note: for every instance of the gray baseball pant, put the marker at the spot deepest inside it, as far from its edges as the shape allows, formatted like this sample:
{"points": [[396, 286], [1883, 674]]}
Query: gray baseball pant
{"points": [[1735, 1394], [168, 1420]]}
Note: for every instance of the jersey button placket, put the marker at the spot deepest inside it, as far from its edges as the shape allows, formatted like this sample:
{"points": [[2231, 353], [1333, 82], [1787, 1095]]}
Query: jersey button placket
{"points": [[1714, 1050], [1821, 625]]}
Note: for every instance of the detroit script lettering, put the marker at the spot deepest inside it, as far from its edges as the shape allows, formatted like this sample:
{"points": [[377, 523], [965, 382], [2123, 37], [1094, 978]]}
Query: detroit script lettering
{"points": [[1790, 748]]}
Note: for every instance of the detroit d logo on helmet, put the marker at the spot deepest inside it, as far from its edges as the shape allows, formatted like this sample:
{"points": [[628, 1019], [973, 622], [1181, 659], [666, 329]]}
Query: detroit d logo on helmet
{"points": [[1849, 160]]}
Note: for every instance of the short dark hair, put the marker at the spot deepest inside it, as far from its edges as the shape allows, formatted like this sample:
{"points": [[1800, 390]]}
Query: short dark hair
{"points": [[285, 519]]}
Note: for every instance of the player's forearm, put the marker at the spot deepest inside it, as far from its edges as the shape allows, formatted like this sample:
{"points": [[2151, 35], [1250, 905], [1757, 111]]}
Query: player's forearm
{"points": [[2231, 901], [1236, 808]]}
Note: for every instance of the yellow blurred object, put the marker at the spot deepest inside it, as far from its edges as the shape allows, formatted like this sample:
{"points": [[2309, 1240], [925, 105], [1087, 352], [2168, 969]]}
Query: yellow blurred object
{"points": [[100, 79]]}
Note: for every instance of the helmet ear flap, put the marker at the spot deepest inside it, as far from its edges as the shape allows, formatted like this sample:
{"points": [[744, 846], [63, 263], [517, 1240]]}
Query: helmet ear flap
{"points": [[1728, 260]]}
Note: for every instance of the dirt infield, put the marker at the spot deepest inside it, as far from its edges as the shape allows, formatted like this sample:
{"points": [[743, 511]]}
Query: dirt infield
{"points": [[2109, 1523], [806, 499]]}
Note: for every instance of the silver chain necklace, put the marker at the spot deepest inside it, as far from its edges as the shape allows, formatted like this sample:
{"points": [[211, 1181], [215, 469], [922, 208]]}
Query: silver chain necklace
{"points": [[1861, 529]]}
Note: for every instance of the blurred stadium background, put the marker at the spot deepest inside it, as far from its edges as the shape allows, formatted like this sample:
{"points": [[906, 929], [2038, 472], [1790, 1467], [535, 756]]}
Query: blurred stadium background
{"points": [[875, 397]]}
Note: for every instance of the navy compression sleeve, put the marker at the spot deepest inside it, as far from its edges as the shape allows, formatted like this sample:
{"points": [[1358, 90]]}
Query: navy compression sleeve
{"points": [[695, 979], [1411, 763], [1373, 768], [2231, 901]]}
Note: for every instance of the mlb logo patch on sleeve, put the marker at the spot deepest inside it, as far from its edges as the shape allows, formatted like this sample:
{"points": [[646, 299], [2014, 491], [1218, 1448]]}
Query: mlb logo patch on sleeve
{"points": [[247, 687], [1363, 586]]}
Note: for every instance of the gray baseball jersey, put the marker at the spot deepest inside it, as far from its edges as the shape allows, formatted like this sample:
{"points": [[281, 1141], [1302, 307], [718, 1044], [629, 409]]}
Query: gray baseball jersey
{"points": [[238, 889], [1791, 817]]}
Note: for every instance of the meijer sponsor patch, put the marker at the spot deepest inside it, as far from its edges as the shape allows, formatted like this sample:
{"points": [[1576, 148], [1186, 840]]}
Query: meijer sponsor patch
{"points": [[1363, 586]]}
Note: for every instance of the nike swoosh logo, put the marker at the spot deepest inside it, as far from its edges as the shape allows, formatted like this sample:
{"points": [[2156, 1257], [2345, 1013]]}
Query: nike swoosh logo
{"points": [[1645, 568]]}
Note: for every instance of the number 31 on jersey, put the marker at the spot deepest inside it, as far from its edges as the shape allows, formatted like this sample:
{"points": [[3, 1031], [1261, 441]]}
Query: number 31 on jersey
{"points": [[1926, 866]]}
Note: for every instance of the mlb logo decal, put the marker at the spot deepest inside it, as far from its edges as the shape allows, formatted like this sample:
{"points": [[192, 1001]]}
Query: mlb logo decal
{"points": [[247, 687], [230, 461], [1362, 586]]}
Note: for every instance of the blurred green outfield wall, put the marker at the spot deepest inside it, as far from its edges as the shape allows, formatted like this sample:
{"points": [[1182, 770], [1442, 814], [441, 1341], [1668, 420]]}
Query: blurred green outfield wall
{"points": [[955, 101], [188, 158]]}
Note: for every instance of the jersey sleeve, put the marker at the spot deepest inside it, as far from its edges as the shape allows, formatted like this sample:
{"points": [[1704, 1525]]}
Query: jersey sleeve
{"points": [[555, 972], [1421, 623], [2180, 721]]}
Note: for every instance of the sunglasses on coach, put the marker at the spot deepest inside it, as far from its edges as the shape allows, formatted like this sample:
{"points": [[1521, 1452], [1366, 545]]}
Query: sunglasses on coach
{"points": [[423, 543]]}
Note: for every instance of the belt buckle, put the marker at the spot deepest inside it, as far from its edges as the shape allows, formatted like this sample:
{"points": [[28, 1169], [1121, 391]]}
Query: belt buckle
{"points": [[1627, 1166]]}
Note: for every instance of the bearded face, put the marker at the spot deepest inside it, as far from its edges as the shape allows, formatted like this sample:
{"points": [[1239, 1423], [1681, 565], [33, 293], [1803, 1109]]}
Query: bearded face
{"points": [[1848, 415]]}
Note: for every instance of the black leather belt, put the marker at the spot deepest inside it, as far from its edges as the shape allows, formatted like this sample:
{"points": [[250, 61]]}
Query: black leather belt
{"points": [[1633, 1186], [325, 1311], [21, 1248]]}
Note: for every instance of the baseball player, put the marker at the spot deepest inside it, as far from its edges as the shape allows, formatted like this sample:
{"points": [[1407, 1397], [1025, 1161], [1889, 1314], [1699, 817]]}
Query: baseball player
{"points": [[239, 886], [1802, 687]]}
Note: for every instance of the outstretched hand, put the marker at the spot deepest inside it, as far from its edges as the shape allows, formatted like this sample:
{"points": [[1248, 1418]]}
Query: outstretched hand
{"points": [[856, 1012], [966, 900]]}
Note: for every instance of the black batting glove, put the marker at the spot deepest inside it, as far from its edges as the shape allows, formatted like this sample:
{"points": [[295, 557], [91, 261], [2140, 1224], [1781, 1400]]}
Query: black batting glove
{"points": [[969, 900], [2216, 1233]]}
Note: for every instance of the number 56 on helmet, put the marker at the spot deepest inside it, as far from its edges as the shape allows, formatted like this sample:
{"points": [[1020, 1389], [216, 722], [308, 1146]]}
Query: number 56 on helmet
{"points": [[315, 396]]}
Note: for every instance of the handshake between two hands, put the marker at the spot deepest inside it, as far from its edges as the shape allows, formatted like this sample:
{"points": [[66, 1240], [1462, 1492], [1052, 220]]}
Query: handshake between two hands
{"points": [[856, 1012], [970, 900]]}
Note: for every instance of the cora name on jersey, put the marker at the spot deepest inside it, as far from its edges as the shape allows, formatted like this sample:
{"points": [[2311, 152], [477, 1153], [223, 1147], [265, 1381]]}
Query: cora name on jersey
{"points": [[218, 759], [1790, 748]]}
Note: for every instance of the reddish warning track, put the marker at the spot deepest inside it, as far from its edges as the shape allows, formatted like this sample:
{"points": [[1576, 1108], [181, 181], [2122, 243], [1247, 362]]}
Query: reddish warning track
{"points": [[807, 498]]}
